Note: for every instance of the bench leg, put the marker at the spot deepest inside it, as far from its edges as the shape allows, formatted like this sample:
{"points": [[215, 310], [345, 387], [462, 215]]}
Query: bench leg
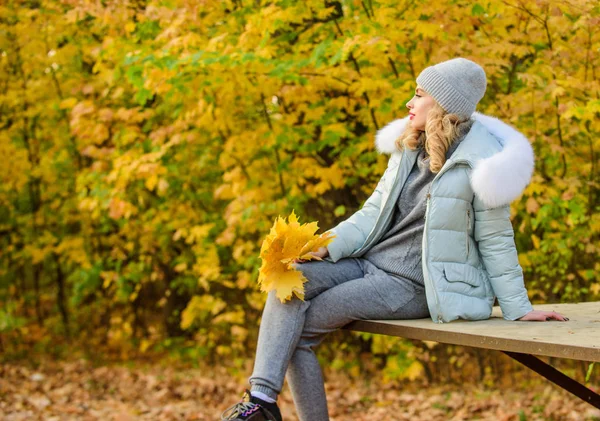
{"points": [[557, 377]]}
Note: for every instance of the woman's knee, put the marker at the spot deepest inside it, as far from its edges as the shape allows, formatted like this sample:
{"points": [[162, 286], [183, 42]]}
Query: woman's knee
{"points": [[316, 278]]}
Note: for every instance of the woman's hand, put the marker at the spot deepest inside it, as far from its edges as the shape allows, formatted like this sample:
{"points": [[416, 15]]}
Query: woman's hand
{"points": [[541, 316], [322, 252]]}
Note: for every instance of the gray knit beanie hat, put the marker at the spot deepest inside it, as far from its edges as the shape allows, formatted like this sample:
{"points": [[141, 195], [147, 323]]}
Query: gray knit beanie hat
{"points": [[457, 85]]}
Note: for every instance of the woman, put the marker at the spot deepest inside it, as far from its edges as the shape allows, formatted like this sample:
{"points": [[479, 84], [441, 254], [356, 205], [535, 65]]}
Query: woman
{"points": [[433, 240]]}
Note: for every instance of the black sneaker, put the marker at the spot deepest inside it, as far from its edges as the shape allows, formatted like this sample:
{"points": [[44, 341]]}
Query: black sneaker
{"points": [[252, 409]]}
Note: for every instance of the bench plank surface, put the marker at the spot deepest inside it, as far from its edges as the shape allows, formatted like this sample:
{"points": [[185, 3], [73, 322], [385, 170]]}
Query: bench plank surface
{"points": [[578, 338]]}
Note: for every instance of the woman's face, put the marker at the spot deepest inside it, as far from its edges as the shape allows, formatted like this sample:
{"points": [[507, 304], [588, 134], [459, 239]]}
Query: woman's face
{"points": [[418, 107]]}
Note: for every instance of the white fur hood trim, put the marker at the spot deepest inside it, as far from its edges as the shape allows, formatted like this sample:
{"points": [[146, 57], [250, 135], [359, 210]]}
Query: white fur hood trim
{"points": [[497, 179]]}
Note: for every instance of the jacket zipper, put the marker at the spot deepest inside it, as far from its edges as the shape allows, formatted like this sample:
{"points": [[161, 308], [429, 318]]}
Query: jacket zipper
{"points": [[435, 295], [468, 229]]}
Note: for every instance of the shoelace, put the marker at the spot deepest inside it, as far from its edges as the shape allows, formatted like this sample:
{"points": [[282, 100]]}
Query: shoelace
{"points": [[238, 408]]}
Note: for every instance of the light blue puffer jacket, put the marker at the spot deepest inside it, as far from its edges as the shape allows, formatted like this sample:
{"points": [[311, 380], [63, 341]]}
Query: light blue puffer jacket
{"points": [[468, 252]]}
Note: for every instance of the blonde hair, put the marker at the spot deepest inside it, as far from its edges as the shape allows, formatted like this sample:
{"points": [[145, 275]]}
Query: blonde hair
{"points": [[441, 130]]}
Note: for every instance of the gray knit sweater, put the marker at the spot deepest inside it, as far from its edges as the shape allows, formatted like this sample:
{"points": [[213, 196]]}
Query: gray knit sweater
{"points": [[399, 250]]}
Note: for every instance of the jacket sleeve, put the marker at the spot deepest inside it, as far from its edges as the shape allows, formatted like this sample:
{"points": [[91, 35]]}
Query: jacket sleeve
{"points": [[352, 232], [495, 237]]}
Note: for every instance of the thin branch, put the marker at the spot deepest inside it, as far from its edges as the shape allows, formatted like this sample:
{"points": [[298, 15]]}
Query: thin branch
{"points": [[592, 177], [393, 67], [275, 150], [560, 138], [365, 9]]}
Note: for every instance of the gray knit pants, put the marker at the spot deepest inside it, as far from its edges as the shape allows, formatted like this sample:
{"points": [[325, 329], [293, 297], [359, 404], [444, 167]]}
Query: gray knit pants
{"points": [[335, 294]]}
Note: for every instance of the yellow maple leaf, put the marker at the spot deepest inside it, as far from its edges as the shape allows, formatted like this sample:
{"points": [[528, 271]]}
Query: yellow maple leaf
{"points": [[285, 243]]}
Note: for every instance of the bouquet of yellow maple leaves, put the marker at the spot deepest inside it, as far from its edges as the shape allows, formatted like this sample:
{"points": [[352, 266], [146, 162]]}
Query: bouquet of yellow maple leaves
{"points": [[285, 243]]}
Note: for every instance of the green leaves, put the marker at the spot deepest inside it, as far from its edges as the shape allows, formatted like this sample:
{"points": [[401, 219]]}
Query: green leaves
{"points": [[477, 10]]}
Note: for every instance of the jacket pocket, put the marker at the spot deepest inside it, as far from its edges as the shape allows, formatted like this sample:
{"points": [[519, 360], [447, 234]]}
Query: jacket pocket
{"points": [[459, 272]]}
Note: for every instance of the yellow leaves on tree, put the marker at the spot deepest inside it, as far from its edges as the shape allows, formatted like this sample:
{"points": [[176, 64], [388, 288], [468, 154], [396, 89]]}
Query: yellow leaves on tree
{"points": [[285, 243]]}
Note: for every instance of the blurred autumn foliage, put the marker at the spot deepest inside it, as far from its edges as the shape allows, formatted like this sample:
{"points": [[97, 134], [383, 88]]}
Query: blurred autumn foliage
{"points": [[148, 146]]}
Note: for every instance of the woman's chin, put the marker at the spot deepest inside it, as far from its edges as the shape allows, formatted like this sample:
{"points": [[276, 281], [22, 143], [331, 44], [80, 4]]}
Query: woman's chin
{"points": [[415, 126]]}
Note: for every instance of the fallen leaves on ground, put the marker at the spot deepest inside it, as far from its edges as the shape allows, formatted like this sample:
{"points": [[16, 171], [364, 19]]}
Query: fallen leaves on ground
{"points": [[79, 391]]}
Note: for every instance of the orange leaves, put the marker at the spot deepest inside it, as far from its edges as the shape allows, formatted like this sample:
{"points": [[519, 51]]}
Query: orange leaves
{"points": [[120, 209], [284, 244], [532, 206]]}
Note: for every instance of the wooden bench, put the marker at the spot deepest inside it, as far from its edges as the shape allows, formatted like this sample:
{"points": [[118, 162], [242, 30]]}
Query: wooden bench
{"points": [[578, 338]]}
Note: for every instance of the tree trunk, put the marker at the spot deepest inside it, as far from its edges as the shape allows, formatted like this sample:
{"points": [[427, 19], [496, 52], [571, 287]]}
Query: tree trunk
{"points": [[60, 297]]}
